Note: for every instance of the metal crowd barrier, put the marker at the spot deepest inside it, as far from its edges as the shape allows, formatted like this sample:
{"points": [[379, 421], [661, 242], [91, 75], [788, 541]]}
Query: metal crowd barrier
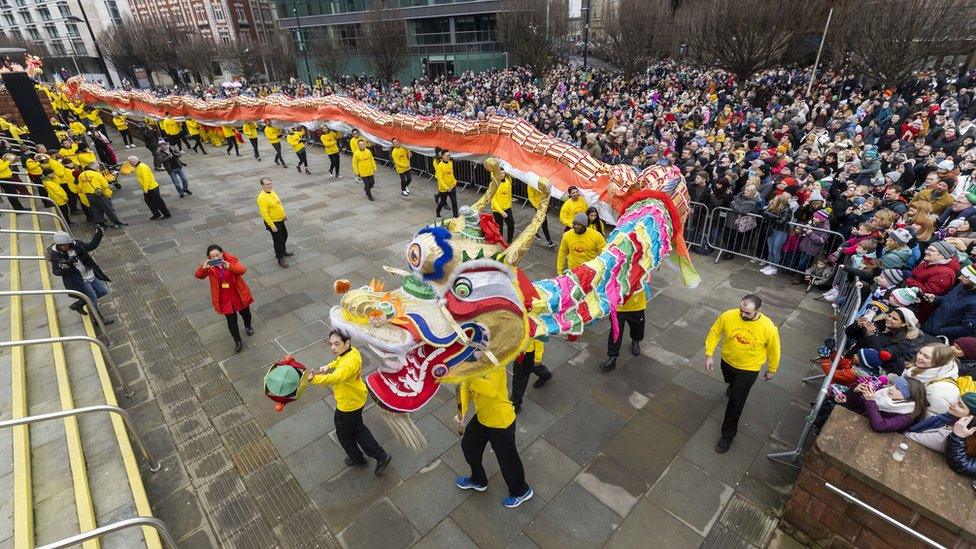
{"points": [[849, 310], [697, 225], [850, 498], [723, 236]]}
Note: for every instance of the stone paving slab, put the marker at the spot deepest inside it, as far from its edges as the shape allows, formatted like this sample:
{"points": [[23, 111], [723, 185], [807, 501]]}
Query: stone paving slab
{"points": [[608, 454]]}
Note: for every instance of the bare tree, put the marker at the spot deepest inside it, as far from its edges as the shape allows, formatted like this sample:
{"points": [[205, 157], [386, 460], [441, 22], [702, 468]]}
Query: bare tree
{"points": [[385, 42], [198, 54], [744, 36], [280, 54], [331, 55], [242, 61], [635, 31], [889, 40], [535, 31]]}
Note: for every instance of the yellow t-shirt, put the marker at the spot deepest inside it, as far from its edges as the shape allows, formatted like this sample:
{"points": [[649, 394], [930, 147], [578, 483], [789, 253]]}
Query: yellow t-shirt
{"points": [[273, 134], [250, 130], [270, 207], [444, 173], [296, 140], [363, 164], [578, 249], [192, 127], [120, 122], [346, 380], [636, 302], [329, 141], [569, 210], [503, 196], [401, 159], [55, 191], [145, 177], [489, 393], [746, 344]]}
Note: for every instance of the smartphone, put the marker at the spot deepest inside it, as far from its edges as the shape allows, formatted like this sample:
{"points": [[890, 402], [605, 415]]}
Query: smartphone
{"points": [[215, 262]]}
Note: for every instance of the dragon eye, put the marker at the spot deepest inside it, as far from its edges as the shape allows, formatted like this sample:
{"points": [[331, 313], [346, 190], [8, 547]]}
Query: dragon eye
{"points": [[462, 287], [414, 255]]}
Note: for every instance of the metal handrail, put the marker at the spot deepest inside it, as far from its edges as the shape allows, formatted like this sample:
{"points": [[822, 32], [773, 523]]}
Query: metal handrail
{"points": [[126, 390], [39, 418], [76, 539], [24, 257], [41, 198], [73, 293], [64, 225], [918, 535], [25, 231]]}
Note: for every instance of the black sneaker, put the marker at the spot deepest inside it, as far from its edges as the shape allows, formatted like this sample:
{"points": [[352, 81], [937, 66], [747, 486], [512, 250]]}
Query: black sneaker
{"points": [[635, 348], [542, 381], [107, 321], [188, 191], [352, 463], [609, 364], [289, 254], [518, 409], [282, 263], [382, 464], [156, 217], [79, 307], [248, 330], [238, 345], [723, 444]]}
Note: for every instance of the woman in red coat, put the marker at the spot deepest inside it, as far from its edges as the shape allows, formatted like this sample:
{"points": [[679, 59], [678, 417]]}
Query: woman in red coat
{"points": [[228, 291]]}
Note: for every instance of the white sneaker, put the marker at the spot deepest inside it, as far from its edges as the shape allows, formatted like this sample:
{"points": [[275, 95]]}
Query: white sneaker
{"points": [[770, 271], [830, 295], [404, 193]]}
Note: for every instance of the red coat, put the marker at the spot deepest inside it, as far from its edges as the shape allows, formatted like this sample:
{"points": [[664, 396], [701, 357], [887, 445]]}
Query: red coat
{"points": [[932, 279], [235, 281]]}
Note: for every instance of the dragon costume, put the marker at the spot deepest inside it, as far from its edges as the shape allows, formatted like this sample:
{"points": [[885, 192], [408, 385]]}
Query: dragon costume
{"points": [[462, 305]]}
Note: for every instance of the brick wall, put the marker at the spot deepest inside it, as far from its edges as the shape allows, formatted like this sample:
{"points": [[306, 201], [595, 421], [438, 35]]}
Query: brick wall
{"points": [[827, 520], [8, 109]]}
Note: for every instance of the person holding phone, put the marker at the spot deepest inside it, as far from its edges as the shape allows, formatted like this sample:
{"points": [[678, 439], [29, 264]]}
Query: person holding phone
{"points": [[229, 294]]}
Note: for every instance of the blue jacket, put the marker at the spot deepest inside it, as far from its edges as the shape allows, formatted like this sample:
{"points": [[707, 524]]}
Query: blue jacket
{"points": [[954, 315], [957, 458]]}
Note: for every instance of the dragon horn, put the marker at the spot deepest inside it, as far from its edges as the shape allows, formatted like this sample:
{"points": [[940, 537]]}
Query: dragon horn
{"points": [[518, 247], [494, 171]]}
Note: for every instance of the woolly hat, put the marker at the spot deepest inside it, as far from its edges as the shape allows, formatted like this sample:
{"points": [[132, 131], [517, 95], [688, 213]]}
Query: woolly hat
{"points": [[945, 166], [904, 297], [969, 399], [581, 219], [61, 237], [893, 176], [872, 358], [956, 223], [967, 345], [908, 316], [901, 384], [821, 215], [816, 195], [969, 272], [894, 276], [947, 250], [901, 235]]}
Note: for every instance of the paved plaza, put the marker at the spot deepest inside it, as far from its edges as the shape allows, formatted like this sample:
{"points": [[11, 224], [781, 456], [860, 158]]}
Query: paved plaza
{"points": [[622, 459]]}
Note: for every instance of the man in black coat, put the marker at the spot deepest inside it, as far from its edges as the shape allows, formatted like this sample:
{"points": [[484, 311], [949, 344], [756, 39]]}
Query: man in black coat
{"points": [[70, 259]]}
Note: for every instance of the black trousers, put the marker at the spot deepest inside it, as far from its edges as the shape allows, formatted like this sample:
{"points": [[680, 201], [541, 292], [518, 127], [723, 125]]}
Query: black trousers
{"points": [[476, 436], [101, 208], [278, 238], [520, 375], [126, 136], [302, 158], [174, 141], [740, 382], [406, 178], [197, 143], [334, 163], [155, 202], [232, 144], [254, 143], [278, 159], [232, 322], [11, 188], [545, 229], [508, 222], [181, 138], [634, 319], [442, 203], [355, 438], [368, 182]]}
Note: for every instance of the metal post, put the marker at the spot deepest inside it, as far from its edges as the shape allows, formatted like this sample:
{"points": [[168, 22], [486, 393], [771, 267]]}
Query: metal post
{"points": [[64, 226], [586, 34], [73, 293], [823, 38], [42, 199], [126, 390], [302, 43], [39, 418], [98, 50], [883, 516], [77, 539]]}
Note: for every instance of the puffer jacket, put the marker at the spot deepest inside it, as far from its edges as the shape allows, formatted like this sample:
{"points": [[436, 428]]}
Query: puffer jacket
{"points": [[934, 279], [954, 315], [956, 456]]}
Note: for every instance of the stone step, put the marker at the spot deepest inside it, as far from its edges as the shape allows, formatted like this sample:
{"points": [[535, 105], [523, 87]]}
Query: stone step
{"points": [[53, 486]]}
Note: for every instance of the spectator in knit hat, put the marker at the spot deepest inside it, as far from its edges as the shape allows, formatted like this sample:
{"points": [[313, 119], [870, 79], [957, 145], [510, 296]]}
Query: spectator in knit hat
{"points": [[964, 349], [895, 333], [891, 409], [897, 254], [955, 312], [935, 274], [933, 431]]}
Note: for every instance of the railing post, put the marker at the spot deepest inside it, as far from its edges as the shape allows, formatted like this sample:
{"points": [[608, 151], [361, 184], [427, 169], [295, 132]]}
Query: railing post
{"points": [[74, 293], [126, 390], [64, 224], [42, 199]]}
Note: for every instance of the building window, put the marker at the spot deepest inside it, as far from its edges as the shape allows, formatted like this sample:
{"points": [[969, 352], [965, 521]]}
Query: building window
{"points": [[52, 31], [33, 33], [225, 38], [434, 30], [218, 13], [475, 28], [348, 35], [26, 16], [113, 11], [79, 47], [72, 30], [241, 16], [44, 13], [57, 48], [64, 9], [9, 18]]}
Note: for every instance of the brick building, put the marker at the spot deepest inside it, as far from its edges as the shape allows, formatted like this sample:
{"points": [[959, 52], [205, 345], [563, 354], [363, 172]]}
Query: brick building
{"points": [[227, 21]]}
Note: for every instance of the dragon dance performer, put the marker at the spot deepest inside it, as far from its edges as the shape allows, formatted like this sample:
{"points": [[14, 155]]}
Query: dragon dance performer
{"points": [[350, 394]]}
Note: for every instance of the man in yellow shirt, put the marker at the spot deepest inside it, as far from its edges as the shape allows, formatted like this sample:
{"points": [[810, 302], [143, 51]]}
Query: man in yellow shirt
{"points": [[172, 129], [150, 189], [535, 198], [193, 130], [56, 193], [749, 339], [273, 214], [494, 422], [631, 313], [579, 245], [250, 130], [95, 187], [230, 138], [401, 164], [273, 135], [446, 183], [575, 205], [122, 125], [330, 140], [501, 206], [350, 395], [363, 167], [297, 141]]}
